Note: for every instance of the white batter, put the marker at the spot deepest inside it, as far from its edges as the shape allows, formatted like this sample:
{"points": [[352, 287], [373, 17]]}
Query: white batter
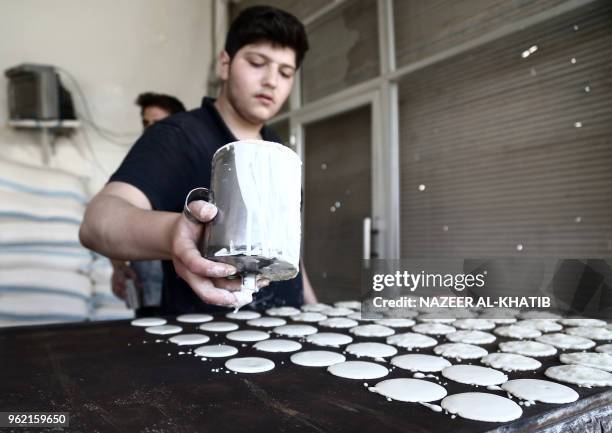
{"points": [[433, 328], [605, 348], [372, 317], [603, 361], [310, 316], [354, 305], [500, 320], [189, 339], [482, 406], [564, 341], [579, 321], [164, 329], [516, 331], [339, 322], [421, 363], [463, 313], [409, 390], [149, 321], [317, 358], [511, 362], [401, 313], [471, 337], [282, 311], [528, 348], [244, 296], [579, 375], [194, 318], [216, 351], [295, 330], [277, 345], [594, 333], [243, 315], [337, 312], [372, 331], [412, 340], [331, 339], [543, 325], [419, 375], [316, 307], [358, 370], [371, 350], [250, 364], [540, 390], [474, 375], [267, 322], [248, 335], [219, 326], [474, 324], [460, 351], [395, 323], [433, 407], [436, 318]]}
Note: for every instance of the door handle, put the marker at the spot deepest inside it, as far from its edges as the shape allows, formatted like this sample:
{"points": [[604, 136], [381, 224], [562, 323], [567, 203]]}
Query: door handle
{"points": [[367, 238]]}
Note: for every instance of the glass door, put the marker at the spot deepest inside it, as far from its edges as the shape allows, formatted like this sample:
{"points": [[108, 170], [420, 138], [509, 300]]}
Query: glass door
{"points": [[337, 156]]}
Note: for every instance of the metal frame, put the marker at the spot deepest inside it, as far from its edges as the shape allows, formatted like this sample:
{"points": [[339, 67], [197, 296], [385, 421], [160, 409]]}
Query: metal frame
{"points": [[298, 123], [382, 93], [387, 169], [323, 11]]}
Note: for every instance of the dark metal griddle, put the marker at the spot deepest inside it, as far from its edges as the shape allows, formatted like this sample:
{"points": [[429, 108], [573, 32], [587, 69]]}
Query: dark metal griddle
{"points": [[110, 380]]}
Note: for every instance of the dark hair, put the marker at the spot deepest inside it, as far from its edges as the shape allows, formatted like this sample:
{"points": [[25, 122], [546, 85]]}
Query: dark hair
{"points": [[269, 24], [166, 102]]}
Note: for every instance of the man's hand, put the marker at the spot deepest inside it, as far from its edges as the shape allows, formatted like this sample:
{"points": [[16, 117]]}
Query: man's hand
{"points": [[119, 223], [121, 273], [208, 279]]}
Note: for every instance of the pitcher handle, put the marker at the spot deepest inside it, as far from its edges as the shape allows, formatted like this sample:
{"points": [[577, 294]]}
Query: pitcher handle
{"points": [[193, 195]]}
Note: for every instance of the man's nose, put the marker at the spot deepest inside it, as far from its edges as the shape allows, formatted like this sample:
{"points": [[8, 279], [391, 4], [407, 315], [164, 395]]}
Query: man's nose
{"points": [[271, 77]]}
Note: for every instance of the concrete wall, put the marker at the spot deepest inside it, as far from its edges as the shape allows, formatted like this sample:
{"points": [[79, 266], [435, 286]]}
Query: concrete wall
{"points": [[115, 50]]}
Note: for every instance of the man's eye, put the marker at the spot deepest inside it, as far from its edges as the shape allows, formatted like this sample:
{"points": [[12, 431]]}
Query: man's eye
{"points": [[256, 64], [287, 74]]}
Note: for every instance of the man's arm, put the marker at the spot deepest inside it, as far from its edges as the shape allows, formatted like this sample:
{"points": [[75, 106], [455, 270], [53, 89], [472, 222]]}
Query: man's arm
{"points": [[120, 224]]}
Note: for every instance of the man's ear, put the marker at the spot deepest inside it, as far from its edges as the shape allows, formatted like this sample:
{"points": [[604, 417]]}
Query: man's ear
{"points": [[223, 65]]}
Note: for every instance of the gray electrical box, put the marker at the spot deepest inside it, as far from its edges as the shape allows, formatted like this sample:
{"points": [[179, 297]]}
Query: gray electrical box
{"points": [[35, 92]]}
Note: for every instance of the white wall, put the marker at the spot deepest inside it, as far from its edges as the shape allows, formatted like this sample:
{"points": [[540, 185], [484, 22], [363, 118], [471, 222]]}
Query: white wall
{"points": [[116, 50]]}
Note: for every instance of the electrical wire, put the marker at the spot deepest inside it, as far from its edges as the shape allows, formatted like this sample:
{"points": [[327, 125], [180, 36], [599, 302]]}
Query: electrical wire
{"points": [[87, 118], [94, 156]]}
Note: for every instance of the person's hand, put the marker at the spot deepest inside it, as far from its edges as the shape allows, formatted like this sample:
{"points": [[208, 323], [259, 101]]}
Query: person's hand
{"points": [[121, 273], [207, 279]]}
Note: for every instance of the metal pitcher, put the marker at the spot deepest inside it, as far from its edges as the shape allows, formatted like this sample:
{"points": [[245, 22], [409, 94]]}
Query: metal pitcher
{"points": [[256, 186]]}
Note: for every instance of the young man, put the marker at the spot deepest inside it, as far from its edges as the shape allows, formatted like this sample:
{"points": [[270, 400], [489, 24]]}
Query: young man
{"points": [[157, 106], [137, 216], [146, 275]]}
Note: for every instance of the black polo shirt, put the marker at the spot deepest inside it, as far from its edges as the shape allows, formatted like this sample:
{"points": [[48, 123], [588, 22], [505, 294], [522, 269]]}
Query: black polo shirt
{"points": [[170, 159]]}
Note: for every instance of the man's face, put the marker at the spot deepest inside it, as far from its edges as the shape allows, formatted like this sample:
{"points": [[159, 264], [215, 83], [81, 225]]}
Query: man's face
{"points": [[259, 79], [152, 114]]}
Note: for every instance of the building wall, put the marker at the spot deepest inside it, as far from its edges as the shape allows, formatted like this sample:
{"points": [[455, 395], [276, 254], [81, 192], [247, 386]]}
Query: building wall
{"points": [[115, 50]]}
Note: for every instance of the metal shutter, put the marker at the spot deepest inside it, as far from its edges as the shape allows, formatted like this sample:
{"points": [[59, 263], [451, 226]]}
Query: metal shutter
{"points": [[514, 151]]}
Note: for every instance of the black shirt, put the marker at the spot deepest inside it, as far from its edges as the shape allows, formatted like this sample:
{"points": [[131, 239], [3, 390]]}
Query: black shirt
{"points": [[171, 158]]}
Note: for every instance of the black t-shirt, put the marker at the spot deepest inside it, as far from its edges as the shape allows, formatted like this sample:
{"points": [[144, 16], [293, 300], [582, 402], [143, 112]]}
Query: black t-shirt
{"points": [[170, 159]]}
